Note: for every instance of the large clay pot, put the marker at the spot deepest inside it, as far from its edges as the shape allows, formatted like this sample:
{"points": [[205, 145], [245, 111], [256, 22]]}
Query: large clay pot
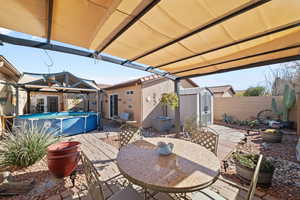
{"points": [[274, 137], [63, 158], [264, 178]]}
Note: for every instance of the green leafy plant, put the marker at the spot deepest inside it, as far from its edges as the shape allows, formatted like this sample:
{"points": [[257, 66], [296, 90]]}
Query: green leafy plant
{"points": [[25, 146], [169, 99], [190, 124], [289, 99], [250, 161], [253, 123], [255, 91], [227, 119]]}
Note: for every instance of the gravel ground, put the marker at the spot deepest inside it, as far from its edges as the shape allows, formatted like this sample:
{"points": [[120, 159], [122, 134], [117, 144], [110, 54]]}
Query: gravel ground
{"points": [[286, 178], [45, 185]]}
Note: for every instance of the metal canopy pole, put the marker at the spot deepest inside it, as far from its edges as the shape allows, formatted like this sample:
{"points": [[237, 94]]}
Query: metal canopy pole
{"points": [[270, 32], [248, 66], [238, 59], [131, 23], [53, 47], [50, 15], [17, 100], [206, 26], [177, 110]]}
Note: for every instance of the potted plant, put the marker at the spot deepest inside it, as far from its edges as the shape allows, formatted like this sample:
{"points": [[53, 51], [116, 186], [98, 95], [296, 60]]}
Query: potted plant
{"points": [[164, 123], [271, 135], [245, 167], [63, 158], [289, 99]]}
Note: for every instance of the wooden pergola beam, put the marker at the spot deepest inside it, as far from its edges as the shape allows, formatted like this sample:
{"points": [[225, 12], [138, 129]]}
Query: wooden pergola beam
{"points": [[59, 88]]}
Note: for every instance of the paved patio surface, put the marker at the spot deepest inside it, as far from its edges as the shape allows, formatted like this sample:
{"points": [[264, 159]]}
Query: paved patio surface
{"points": [[103, 156], [228, 139]]}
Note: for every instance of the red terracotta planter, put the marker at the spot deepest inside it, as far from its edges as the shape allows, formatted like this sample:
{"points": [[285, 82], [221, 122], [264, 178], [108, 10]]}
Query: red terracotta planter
{"points": [[63, 158]]}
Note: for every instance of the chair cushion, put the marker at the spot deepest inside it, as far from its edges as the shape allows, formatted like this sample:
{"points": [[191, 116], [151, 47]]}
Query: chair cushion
{"points": [[206, 194], [124, 116], [126, 194]]}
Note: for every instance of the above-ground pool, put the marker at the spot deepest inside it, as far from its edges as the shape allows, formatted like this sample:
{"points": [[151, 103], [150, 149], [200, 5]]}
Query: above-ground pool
{"points": [[62, 123]]}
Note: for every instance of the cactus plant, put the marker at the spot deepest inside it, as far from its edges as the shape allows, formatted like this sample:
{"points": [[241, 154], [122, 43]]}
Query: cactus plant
{"points": [[289, 99]]}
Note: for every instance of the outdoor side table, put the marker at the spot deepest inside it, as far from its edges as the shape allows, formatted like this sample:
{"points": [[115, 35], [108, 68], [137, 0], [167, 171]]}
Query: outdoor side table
{"points": [[189, 168]]}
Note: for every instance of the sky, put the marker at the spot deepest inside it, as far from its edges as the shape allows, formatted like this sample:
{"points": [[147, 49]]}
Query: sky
{"points": [[35, 60]]}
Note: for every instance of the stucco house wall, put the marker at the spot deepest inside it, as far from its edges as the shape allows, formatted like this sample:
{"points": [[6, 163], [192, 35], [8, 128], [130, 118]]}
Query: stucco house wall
{"points": [[224, 94], [126, 103], [9, 74], [228, 94], [66, 101], [7, 108], [144, 102], [151, 94], [34, 96]]}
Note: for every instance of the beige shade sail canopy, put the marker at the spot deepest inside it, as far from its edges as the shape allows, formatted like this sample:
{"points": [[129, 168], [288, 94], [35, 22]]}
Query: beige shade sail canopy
{"points": [[183, 38]]}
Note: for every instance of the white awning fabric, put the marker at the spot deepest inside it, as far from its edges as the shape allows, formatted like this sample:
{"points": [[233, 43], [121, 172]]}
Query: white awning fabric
{"points": [[185, 38]]}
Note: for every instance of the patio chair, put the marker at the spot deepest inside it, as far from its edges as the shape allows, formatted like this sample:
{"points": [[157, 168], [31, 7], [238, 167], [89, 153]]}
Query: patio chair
{"points": [[128, 133], [207, 138], [209, 194], [125, 118], [95, 186]]}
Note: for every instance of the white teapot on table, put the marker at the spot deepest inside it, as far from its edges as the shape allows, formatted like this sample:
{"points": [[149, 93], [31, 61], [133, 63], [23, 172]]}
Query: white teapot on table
{"points": [[164, 148]]}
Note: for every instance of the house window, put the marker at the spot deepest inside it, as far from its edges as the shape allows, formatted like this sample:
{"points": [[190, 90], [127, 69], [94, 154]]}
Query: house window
{"points": [[129, 92], [40, 105]]}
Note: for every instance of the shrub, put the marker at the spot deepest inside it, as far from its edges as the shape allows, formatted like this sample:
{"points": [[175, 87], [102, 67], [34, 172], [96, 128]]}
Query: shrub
{"points": [[227, 119], [190, 124], [255, 91], [25, 146], [250, 161]]}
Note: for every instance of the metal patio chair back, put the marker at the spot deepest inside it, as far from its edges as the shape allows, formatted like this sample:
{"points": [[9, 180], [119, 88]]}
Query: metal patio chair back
{"points": [[95, 186], [253, 183], [92, 179], [207, 138], [207, 193], [128, 134]]}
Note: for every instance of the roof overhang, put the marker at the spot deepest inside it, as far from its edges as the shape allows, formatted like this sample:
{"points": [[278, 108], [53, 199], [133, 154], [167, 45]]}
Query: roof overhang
{"points": [[9, 70], [59, 89], [175, 39]]}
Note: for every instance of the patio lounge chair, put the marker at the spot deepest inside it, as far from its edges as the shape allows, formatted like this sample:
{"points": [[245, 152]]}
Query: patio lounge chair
{"points": [[207, 194], [207, 138], [124, 117], [95, 186]]}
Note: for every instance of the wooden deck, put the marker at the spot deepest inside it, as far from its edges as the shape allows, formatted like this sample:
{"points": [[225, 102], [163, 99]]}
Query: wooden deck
{"points": [[101, 154]]}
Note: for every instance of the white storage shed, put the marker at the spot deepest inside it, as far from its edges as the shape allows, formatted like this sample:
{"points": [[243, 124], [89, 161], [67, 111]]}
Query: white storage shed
{"points": [[198, 103]]}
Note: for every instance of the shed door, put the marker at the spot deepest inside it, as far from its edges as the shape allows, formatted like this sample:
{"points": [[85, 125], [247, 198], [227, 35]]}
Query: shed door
{"points": [[205, 108]]}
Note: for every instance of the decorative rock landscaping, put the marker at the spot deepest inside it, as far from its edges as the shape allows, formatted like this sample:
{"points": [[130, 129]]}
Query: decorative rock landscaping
{"points": [[286, 178]]}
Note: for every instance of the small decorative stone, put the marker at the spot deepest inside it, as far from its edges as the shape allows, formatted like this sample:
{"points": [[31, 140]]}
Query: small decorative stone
{"points": [[298, 150], [55, 197], [269, 197]]}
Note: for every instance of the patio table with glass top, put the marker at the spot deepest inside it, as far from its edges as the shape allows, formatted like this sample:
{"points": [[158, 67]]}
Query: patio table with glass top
{"points": [[189, 168]]}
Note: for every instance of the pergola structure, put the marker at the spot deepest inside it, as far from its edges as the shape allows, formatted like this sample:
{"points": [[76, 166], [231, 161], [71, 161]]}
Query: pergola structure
{"points": [[62, 82], [176, 39]]}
